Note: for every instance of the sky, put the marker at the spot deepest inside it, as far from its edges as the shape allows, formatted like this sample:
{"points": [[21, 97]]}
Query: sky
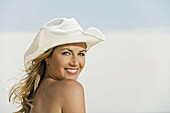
{"points": [[128, 72], [30, 15]]}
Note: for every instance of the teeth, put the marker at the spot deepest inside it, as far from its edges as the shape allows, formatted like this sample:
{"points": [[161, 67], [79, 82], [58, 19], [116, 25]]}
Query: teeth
{"points": [[73, 71]]}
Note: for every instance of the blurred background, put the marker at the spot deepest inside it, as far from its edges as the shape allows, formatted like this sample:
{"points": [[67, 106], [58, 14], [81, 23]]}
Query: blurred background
{"points": [[129, 72]]}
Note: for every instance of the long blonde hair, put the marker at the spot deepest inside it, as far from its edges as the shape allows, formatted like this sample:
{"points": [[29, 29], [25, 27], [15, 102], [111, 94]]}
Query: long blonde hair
{"points": [[24, 91]]}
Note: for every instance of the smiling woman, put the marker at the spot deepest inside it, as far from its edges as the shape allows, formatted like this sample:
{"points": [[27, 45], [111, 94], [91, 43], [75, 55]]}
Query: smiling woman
{"points": [[66, 61], [53, 63]]}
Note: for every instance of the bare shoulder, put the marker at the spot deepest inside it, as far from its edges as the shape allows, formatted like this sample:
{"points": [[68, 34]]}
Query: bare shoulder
{"points": [[64, 96], [71, 90], [72, 96], [64, 88], [70, 86]]}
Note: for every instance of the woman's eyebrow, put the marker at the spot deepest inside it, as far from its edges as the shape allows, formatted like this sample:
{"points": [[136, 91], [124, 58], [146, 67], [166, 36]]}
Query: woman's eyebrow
{"points": [[72, 51], [66, 49], [83, 50]]}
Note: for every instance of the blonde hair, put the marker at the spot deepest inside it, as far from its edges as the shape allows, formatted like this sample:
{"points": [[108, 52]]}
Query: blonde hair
{"points": [[24, 91]]}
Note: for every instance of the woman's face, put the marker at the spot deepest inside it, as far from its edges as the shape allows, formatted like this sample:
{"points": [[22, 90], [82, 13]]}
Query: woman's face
{"points": [[66, 61]]}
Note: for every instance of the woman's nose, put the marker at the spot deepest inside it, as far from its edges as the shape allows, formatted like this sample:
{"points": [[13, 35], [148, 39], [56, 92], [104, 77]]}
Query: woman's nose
{"points": [[74, 61]]}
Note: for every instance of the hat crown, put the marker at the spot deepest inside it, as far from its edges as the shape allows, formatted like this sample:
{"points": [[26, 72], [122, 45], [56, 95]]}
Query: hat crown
{"points": [[63, 25]]}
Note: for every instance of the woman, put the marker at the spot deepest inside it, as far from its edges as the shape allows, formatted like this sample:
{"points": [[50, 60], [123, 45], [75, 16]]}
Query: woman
{"points": [[53, 63]]}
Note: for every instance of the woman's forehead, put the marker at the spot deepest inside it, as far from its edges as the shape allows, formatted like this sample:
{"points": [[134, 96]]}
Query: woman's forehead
{"points": [[73, 45]]}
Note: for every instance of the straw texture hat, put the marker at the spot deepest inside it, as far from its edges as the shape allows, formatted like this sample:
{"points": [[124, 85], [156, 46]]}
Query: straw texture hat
{"points": [[61, 31]]}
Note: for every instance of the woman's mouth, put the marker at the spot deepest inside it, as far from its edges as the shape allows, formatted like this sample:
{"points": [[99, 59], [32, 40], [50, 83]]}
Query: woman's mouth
{"points": [[71, 71]]}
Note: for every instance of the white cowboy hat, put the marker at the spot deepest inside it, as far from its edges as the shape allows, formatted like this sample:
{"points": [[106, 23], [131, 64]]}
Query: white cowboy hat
{"points": [[61, 31]]}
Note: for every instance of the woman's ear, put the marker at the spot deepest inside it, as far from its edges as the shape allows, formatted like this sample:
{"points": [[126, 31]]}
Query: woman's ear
{"points": [[47, 60]]}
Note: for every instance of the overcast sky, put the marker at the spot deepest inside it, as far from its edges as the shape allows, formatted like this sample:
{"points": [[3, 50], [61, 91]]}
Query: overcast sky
{"points": [[30, 15]]}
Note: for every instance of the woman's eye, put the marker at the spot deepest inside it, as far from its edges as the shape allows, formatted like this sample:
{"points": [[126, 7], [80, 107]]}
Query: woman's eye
{"points": [[65, 53], [81, 54]]}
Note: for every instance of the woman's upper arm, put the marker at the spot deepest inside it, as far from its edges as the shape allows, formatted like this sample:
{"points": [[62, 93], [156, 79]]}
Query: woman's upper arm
{"points": [[73, 100]]}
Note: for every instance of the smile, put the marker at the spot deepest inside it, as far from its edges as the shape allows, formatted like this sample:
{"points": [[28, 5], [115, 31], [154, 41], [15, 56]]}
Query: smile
{"points": [[71, 71]]}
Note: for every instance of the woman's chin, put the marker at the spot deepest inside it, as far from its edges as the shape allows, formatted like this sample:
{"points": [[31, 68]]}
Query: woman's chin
{"points": [[71, 77]]}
